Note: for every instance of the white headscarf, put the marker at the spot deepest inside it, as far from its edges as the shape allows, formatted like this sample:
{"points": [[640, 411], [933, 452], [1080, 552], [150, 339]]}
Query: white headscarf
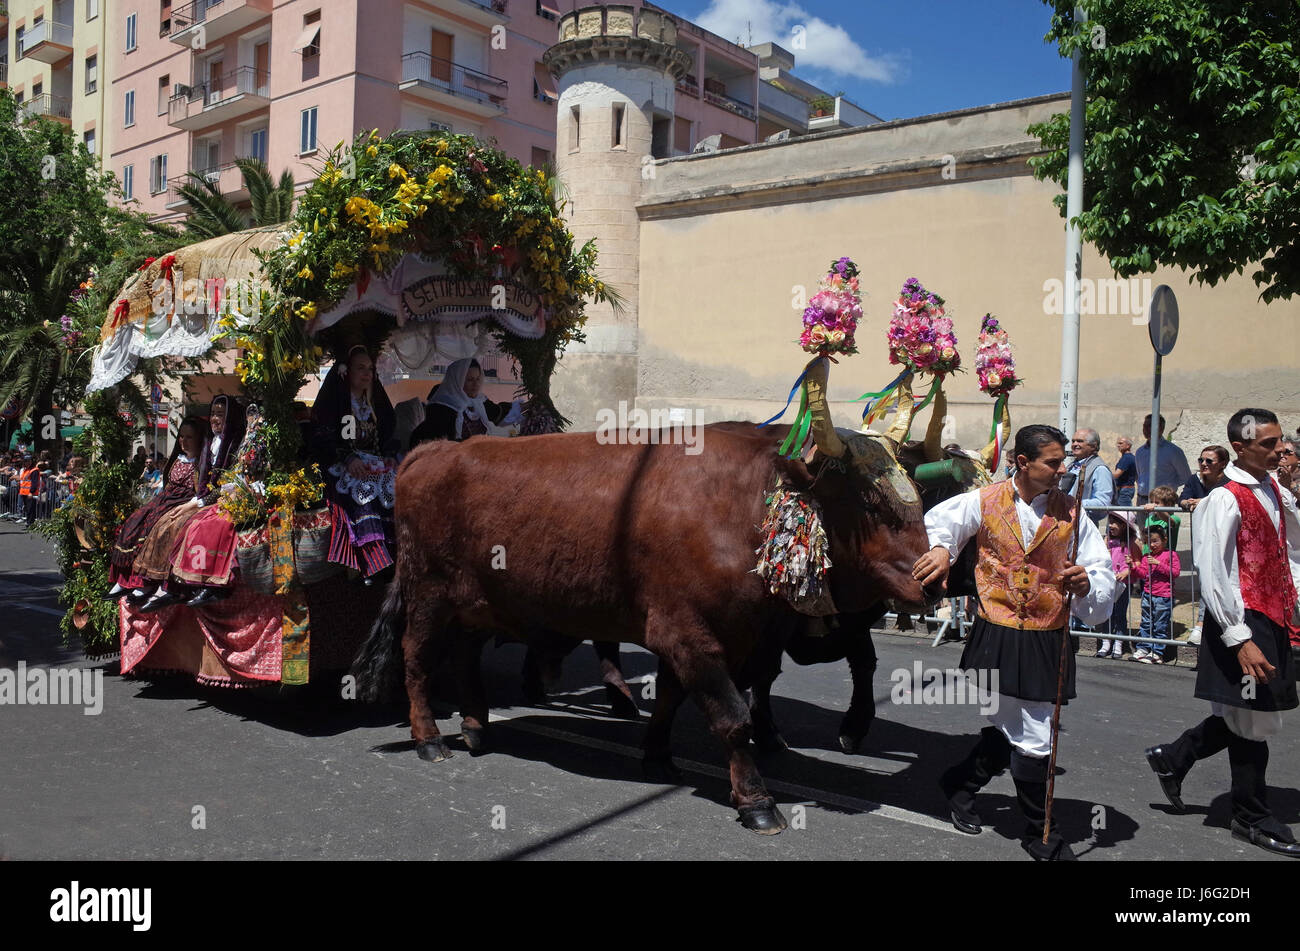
{"points": [[452, 393]]}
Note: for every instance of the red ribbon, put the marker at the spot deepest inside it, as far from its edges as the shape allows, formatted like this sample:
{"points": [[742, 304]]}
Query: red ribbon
{"points": [[147, 262], [120, 313]]}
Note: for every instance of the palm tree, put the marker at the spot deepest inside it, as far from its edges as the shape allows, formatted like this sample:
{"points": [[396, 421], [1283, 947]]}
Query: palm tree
{"points": [[272, 202], [214, 215]]}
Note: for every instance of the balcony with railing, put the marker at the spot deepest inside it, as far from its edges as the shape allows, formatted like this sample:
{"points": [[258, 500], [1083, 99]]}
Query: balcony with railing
{"points": [[451, 84], [214, 19], [723, 101], [4, 74], [48, 42], [239, 93], [782, 107], [48, 106], [483, 12]]}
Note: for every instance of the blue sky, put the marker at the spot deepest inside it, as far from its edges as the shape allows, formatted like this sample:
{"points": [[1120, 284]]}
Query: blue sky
{"points": [[902, 58]]}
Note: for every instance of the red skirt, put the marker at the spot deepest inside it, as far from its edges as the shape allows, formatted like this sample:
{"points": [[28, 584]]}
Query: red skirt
{"points": [[205, 555]]}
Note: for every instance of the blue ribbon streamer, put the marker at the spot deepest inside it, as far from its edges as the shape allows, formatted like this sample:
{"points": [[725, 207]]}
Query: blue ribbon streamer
{"points": [[789, 399], [881, 395]]}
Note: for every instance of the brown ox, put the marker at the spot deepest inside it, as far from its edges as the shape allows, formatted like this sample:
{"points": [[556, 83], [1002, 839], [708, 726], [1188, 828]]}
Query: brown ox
{"points": [[636, 543], [848, 635]]}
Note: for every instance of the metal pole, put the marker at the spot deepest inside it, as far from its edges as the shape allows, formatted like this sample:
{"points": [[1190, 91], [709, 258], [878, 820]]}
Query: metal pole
{"points": [[1073, 244], [1156, 434]]}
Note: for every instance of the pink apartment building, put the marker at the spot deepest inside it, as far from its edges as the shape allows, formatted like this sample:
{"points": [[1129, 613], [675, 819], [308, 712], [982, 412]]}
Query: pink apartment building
{"points": [[195, 85]]}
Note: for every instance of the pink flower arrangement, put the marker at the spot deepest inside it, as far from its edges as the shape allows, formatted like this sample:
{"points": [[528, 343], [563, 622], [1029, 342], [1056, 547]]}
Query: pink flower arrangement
{"points": [[994, 364], [831, 317], [920, 335]]}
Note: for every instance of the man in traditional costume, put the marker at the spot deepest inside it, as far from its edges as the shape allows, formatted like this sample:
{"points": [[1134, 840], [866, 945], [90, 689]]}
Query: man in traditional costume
{"points": [[1247, 551], [1024, 528]]}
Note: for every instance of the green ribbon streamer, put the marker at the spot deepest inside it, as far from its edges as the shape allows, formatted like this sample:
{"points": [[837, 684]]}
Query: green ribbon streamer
{"points": [[799, 428]]}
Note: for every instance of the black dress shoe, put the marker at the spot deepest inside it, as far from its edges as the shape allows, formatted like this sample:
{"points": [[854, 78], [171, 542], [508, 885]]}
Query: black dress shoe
{"points": [[115, 592], [162, 599], [1169, 781], [138, 596], [963, 815], [1257, 836], [209, 596]]}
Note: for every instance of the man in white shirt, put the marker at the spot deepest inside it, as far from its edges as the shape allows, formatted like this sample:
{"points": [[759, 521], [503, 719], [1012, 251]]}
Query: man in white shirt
{"points": [[1171, 464], [1247, 551], [1024, 528]]}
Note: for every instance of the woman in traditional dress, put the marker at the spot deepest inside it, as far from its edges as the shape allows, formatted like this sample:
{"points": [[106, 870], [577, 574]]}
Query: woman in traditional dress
{"points": [[457, 408], [181, 481], [205, 556], [153, 561], [353, 441]]}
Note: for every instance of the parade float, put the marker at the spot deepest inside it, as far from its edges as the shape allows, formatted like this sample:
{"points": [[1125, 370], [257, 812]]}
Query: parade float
{"points": [[411, 245]]}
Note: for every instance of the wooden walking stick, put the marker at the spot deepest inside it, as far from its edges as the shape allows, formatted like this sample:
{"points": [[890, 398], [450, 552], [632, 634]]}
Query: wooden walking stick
{"points": [[1060, 667]]}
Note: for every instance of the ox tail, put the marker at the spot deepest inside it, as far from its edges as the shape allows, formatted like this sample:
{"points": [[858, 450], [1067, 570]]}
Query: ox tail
{"points": [[378, 666]]}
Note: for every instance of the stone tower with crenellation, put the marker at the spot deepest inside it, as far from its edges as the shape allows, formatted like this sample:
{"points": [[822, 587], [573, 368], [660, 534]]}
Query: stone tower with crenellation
{"points": [[617, 67]]}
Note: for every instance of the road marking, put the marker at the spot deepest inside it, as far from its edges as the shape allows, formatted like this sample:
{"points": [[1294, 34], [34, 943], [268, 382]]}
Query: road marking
{"points": [[791, 789]]}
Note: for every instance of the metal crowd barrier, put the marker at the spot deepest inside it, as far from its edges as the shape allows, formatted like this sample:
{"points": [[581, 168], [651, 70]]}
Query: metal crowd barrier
{"points": [[957, 621], [14, 507], [1188, 570]]}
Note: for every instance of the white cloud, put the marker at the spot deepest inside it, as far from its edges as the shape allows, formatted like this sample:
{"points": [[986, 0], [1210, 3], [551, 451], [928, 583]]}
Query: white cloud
{"points": [[825, 46]]}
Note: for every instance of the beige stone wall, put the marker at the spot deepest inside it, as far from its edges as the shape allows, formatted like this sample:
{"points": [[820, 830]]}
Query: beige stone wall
{"points": [[725, 239]]}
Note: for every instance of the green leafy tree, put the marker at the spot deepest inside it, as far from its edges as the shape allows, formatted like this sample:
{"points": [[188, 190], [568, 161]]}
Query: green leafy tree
{"points": [[214, 215], [1192, 137], [58, 222]]}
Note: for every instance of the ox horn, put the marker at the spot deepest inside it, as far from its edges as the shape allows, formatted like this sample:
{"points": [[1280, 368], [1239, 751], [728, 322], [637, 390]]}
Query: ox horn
{"points": [[897, 431], [987, 452], [934, 432], [823, 430]]}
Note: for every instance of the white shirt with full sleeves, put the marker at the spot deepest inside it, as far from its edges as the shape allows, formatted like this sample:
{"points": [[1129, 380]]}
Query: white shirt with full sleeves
{"points": [[1215, 523], [954, 522]]}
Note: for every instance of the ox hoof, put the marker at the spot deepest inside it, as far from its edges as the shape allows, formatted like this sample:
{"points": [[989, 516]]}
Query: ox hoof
{"points": [[474, 737], [765, 819], [433, 751], [661, 771], [620, 704], [772, 742]]}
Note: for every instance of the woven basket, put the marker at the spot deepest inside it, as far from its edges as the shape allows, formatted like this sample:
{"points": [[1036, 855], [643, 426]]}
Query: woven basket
{"points": [[254, 554], [311, 545]]}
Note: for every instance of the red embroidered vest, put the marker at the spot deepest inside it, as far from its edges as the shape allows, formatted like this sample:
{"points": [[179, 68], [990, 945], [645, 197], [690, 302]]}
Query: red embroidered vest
{"points": [[1262, 563], [1019, 583]]}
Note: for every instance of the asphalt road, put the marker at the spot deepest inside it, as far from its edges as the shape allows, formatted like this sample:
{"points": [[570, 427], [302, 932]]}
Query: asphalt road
{"points": [[172, 770]]}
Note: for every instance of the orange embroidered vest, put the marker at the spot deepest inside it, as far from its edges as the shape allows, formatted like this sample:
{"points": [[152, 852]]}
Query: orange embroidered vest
{"points": [[1019, 583]]}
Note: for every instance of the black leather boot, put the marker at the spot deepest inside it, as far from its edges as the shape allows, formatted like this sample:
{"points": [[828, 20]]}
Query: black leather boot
{"points": [[1030, 775], [988, 758]]}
